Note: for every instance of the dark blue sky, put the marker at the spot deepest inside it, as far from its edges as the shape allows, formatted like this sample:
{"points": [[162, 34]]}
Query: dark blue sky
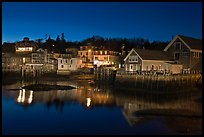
{"points": [[78, 20]]}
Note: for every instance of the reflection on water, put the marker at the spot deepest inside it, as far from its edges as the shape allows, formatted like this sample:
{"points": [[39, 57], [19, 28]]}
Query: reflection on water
{"points": [[88, 102], [22, 96], [101, 95]]}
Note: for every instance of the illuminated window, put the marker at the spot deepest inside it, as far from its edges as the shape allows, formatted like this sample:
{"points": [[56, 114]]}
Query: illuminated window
{"points": [[196, 54]]}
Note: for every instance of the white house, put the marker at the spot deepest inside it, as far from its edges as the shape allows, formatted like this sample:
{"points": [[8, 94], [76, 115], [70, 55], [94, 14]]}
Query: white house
{"points": [[75, 63], [150, 60]]}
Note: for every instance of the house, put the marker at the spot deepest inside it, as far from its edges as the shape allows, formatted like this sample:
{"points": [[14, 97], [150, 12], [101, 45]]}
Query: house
{"points": [[66, 65], [140, 60], [25, 46], [87, 55], [72, 50], [41, 61], [63, 65], [106, 57], [186, 51], [75, 63], [12, 62]]}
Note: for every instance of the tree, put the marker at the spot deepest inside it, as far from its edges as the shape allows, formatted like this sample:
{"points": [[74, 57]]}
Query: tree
{"points": [[39, 42]]}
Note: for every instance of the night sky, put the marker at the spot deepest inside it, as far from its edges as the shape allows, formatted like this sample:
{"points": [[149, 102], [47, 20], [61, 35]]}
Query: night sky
{"points": [[78, 20]]}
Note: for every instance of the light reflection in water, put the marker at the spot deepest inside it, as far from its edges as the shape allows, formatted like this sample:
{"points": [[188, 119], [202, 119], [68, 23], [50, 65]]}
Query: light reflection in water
{"points": [[88, 102], [19, 97], [22, 96], [30, 99]]}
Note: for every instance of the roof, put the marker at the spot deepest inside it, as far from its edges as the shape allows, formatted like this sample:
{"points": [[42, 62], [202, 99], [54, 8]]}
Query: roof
{"points": [[146, 54], [152, 54], [193, 43]]}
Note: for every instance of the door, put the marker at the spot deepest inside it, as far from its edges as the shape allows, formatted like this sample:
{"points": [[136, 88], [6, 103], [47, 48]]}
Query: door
{"points": [[131, 67]]}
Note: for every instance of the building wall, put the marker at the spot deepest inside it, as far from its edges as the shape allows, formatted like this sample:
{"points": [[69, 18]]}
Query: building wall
{"points": [[75, 63], [14, 62], [25, 46], [195, 58], [105, 60], [11, 63], [63, 64], [148, 65], [131, 64], [186, 57]]}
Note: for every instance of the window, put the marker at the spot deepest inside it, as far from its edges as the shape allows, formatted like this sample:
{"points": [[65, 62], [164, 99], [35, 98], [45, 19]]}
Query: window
{"points": [[133, 58], [71, 61], [61, 61], [159, 67], [96, 58], [87, 53], [81, 53], [185, 53], [66, 60], [178, 45], [152, 67], [105, 58], [136, 58], [62, 66], [196, 54], [176, 56]]}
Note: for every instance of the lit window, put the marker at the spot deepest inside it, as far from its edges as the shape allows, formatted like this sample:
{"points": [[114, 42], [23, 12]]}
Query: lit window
{"points": [[196, 54]]}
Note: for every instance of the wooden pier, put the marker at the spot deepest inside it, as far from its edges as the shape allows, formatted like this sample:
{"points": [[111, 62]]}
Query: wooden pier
{"points": [[105, 74], [159, 82]]}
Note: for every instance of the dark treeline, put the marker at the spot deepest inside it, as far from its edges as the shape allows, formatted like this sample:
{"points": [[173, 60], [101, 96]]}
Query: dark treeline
{"points": [[117, 44]]}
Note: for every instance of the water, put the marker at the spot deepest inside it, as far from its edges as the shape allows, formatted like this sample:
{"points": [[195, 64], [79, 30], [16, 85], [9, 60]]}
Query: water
{"points": [[89, 110]]}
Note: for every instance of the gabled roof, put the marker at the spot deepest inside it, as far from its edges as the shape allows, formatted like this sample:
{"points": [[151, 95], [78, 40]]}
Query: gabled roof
{"points": [[145, 54], [152, 54], [191, 43]]}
